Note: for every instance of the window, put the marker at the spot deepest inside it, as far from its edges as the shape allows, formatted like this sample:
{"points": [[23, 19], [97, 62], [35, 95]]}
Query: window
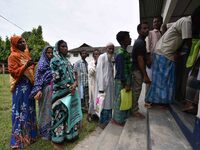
{"points": [[75, 54]]}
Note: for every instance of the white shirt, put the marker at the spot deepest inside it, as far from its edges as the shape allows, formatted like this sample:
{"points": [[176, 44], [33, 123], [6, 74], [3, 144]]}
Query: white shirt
{"points": [[105, 79], [152, 39]]}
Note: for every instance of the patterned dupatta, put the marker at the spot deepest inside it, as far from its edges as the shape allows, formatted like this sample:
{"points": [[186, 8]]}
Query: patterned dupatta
{"points": [[16, 63], [43, 75], [63, 75]]}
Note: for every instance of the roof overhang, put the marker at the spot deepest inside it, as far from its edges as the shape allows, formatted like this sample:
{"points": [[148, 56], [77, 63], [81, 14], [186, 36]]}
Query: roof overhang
{"points": [[170, 10]]}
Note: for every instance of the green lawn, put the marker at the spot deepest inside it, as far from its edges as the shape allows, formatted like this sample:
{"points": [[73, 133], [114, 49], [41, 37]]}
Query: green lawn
{"points": [[5, 122]]}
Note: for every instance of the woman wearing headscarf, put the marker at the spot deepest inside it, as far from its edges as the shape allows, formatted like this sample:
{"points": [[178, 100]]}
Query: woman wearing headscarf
{"points": [[65, 117], [21, 69], [42, 92]]}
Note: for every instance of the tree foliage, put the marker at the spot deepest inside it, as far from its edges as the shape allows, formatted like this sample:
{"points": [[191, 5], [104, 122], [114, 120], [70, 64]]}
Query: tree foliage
{"points": [[4, 49], [34, 40]]}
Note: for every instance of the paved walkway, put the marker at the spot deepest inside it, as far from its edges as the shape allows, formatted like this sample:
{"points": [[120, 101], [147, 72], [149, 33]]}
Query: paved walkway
{"points": [[88, 141]]}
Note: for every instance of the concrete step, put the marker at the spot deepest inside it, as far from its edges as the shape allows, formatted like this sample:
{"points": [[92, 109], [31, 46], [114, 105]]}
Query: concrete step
{"points": [[164, 132], [134, 135], [89, 141], [187, 119], [108, 139]]}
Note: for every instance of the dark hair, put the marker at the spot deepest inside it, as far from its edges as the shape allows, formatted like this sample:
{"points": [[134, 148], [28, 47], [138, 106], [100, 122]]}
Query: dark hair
{"points": [[139, 27], [96, 50], [195, 13], [121, 36], [195, 17], [82, 51], [159, 17], [59, 43]]}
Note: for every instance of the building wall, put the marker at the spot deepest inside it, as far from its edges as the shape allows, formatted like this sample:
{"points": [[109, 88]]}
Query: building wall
{"points": [[73, 59]]}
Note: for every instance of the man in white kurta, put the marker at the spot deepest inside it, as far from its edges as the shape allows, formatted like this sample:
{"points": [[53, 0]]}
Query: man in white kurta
{"points": [[92, 84], [105, 83]]}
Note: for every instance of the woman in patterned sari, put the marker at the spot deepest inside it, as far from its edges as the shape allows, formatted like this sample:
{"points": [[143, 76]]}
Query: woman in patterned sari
{"points": [[64, 84], [42, 92], [21, 67]]}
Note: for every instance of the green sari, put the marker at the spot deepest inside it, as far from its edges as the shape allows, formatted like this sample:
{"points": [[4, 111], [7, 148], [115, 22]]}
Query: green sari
{"points": [[63, 79]]}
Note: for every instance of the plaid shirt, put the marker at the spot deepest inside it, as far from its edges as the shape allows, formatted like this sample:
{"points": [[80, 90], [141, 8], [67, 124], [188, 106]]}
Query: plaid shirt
{"points": [[81, 68]]}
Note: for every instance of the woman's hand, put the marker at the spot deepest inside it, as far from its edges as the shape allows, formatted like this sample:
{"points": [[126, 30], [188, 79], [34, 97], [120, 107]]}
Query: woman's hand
{"points": [[29, 63], [38, 95], [74, 87]]}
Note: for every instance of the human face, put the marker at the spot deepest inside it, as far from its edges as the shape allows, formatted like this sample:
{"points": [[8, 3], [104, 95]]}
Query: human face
{"points": [[127, 40], [157, 23], [49, 53], [21, 44], [110, 49], [63, 49], [144, 30], [84, 54], [96, 55]]}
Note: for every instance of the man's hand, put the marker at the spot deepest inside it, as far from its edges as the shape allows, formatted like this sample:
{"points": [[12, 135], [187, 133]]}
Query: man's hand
{"points": [[127, 88], [147, 80]]}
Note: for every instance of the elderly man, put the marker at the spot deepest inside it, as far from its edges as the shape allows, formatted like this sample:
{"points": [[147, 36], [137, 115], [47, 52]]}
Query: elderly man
{"points": [[105, 83]]}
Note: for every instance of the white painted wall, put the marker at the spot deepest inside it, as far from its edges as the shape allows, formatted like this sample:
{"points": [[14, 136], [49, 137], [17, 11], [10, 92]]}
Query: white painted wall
{"points": [[73, 59]]}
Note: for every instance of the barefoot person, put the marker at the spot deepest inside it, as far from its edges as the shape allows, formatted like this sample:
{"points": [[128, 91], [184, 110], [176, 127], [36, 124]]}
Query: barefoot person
{"points": [[64, 83], [42, 91], [122, 76], [21, 69]]}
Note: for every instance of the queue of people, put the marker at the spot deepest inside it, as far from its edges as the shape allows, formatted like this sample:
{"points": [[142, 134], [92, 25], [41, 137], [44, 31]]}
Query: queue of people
{"points": [[63, 91]]}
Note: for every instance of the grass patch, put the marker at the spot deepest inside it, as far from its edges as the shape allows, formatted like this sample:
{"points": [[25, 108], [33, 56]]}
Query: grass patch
{"points": [[5, 122]]}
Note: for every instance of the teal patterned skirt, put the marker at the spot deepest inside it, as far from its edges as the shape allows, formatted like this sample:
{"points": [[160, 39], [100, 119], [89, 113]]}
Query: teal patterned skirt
{"points": [[59, 130]]}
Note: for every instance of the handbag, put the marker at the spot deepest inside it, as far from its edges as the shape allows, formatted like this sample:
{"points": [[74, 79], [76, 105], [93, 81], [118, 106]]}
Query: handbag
{"points": [[99, 103], [126, 99], [193, 53]]}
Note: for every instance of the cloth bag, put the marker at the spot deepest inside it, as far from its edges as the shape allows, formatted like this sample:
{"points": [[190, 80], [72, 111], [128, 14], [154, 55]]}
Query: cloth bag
{"points": [[126, 99], [193, 52], [99, 103], [73, 104]]}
